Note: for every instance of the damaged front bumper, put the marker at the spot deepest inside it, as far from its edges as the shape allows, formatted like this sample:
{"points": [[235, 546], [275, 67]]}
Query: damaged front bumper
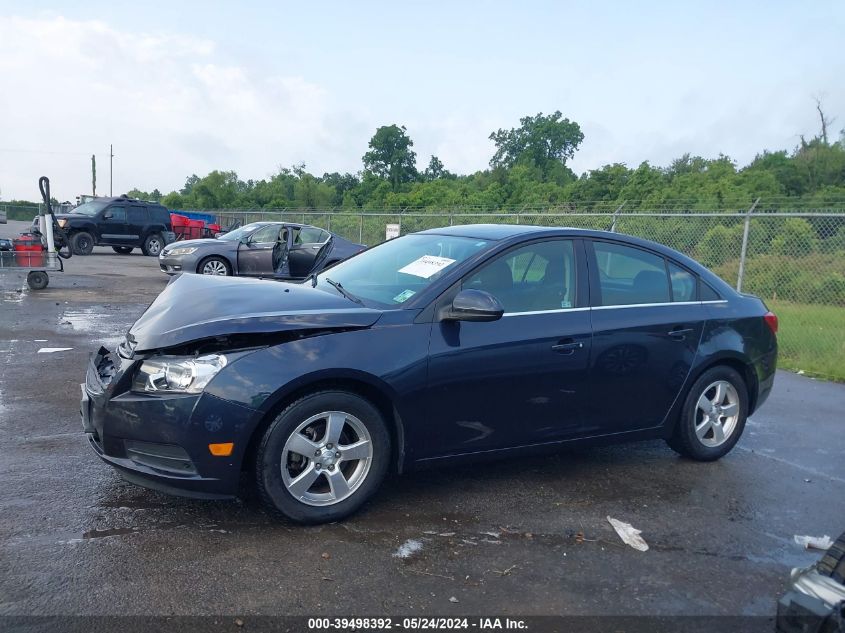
{"points": [[162, 441]]}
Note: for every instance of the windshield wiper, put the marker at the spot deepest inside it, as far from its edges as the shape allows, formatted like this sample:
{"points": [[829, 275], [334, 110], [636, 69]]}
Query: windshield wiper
{"points": [[343, 291]]}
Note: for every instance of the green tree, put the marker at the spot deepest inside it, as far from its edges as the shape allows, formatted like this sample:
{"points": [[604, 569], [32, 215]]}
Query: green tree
{"points": [[541, 140], [391, 157], [795, 237], [436, 170]]}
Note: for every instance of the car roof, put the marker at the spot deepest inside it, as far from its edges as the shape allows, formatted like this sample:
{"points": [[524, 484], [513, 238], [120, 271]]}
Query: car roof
{"points": [[519, 232]]}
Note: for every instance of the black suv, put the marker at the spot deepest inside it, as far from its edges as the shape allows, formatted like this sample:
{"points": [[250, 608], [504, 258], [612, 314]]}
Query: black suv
{"points": [[122, 223]]}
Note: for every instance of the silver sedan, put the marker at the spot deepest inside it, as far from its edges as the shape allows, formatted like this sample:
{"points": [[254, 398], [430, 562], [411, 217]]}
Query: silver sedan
{"points": [[263, 249]]}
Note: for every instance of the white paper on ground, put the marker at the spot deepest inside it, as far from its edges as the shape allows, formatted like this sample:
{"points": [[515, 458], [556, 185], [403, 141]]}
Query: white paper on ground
{"points": [[426, 266], [51, 350], [814, 542], [629, 534]]}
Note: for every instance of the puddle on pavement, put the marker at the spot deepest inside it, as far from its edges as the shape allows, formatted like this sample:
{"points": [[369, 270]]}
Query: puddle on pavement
{"points": [[94, 321], [109, 532]]}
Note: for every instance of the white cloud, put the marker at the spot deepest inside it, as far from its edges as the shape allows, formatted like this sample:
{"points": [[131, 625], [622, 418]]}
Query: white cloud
{"points": [[169, 103]]}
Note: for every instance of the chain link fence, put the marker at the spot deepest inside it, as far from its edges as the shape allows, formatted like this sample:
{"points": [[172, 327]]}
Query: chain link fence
{"points": [[794, 260]]}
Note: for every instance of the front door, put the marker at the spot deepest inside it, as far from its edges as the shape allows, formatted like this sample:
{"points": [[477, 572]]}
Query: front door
{"points": [[520, 380], [646, 328], [255, 256]]}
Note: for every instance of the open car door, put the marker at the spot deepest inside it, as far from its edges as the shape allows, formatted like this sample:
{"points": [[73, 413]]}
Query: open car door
{"points": [[309, 248]]}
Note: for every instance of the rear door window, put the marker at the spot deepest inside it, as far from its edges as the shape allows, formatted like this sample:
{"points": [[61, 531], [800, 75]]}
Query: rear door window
{"points": [[630, 276], [137, 215]]}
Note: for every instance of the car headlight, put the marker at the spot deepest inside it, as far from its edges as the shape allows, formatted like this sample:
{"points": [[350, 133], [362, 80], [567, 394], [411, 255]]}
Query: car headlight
{"points": [[186, 250], [177, 374], [62, 223]]}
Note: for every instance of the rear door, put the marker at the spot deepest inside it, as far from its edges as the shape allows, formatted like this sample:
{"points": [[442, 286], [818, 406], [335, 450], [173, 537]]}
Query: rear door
{"points": [[647, 323], [255, 257], [137, 220], [308, 243], [113, 228]]}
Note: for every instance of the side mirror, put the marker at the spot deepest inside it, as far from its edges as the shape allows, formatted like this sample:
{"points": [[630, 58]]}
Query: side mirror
{"points": [[108, 215], [474, 305]]}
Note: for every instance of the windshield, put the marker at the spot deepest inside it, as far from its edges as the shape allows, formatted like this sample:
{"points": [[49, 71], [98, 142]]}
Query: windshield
{"points": [[90, 208], [393, 272], [240, 233]]}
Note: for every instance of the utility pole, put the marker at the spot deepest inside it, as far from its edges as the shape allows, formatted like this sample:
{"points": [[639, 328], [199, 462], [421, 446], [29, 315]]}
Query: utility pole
{"points": [[111, 164], [93, 175]]}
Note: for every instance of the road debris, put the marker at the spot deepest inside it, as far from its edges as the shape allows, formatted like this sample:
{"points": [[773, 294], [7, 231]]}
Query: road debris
{"points": [[408, 548], [629, 534], [53, 350], [453, 599], [814, 542]]}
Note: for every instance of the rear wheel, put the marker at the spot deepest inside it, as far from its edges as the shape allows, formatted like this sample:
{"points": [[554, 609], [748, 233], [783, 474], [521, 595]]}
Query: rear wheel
{"points": [[122, 250], [713, 415], [152, 245], [214, 266], [323, 457], [82, 243]]}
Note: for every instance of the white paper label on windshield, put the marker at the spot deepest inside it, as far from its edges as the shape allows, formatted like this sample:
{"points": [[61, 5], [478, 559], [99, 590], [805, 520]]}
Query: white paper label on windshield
{"points": [[426, 266]]}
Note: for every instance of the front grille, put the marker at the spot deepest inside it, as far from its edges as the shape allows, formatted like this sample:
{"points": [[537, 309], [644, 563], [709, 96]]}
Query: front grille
{"points": [[165, 457]]}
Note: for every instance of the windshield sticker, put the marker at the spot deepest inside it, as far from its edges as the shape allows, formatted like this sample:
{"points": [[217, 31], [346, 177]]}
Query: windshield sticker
{"points": [[426, 266], [404, 296]]}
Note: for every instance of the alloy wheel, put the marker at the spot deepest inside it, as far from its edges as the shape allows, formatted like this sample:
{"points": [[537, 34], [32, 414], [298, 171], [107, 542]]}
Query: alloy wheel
{"points": [[327, 458], [214, 267], [154, 246], [716, 413]]}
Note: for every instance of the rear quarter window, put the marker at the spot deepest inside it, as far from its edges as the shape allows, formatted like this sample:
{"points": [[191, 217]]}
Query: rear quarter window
{"points": [[159, 215]]}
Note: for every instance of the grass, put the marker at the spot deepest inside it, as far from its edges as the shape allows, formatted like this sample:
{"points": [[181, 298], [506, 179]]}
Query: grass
{"points": [[811, 338]]}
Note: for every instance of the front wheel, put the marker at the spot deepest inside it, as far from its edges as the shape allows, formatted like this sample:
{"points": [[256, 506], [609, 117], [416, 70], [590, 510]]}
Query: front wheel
{"points": [[323, 457], [713, 416], [214, 266], [82, 243]]}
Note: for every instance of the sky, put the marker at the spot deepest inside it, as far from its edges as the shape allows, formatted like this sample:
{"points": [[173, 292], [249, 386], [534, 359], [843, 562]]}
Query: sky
{"points": [[185, 87]]}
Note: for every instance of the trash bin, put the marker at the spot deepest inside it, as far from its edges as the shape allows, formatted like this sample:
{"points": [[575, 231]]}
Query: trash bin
{"points": [[29, 251]]}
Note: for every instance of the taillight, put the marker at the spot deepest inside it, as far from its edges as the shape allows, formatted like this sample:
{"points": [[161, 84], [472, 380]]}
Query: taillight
{"points": [[771, 320]]}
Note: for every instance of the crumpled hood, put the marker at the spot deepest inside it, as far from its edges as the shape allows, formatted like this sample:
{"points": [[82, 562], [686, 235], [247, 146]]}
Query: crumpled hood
{"points": [[194, 307]]}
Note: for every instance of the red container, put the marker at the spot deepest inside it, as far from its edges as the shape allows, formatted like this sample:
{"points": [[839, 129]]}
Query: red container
{"points": [[196, 228], [181, 226], [29, 251]]}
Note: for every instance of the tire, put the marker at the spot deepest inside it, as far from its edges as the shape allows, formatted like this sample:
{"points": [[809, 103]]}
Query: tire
{"points": [[705, 432], [122, 250], [37, 279], [832, 563], [82, 243], [214, 265], [308, 418], [152, 245]]}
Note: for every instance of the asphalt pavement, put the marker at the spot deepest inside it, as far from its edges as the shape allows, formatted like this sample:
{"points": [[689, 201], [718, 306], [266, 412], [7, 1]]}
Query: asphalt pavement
{"points": [[521, 537]]}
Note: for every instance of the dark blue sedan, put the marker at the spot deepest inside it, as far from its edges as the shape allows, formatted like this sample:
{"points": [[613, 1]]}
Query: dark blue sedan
{"points": [[460, 343]]}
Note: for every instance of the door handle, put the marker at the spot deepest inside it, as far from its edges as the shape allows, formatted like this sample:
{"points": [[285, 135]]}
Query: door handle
{"points": [[566, 346], [679, 334]]}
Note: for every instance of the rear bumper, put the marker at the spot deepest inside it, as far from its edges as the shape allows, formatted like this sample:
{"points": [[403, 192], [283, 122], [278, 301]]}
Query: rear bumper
{"points": [[765, 367]]}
